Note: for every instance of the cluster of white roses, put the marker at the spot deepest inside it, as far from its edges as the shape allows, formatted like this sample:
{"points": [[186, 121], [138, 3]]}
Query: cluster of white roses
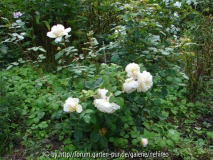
{"points": [[101, 102], [140, 81]]}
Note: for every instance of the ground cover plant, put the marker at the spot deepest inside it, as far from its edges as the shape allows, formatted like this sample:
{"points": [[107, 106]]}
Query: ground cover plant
{"points": [[134, 78]]}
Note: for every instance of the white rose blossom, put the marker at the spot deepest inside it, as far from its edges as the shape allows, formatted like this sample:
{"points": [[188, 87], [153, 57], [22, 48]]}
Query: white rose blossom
{"points": [[144, 81], [105, 106], [58, 31], [144, 142], [177, 4], [132, 70], [71, 105], [176, 14], [130, 85], [102, 94]]}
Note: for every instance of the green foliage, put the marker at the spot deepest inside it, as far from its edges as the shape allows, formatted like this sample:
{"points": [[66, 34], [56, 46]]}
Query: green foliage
{"points": [[10, 121]]}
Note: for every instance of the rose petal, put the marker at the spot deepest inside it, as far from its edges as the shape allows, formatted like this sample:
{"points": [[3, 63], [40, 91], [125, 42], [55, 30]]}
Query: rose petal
{"points": [[51, 35], [66, 109], [58, 39], [79, 108], [68, 30]]}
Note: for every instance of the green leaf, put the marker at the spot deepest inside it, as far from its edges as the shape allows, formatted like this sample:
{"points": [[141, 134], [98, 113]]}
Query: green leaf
{"points": [[114, 58], [58, 126], [55, 106], [112, 99], [174, 135], [108, 93], [137, 34], [169, 78], [93, 84], [165, 53], [43, 125], [117, 93], [94, 136], [119, 101], [58, 55], [37, 19], [111, 139], [47, 24], [78, 134], [162, 144], [73, 116], [116, 142], [4, 49], [164, 92], [157, 101], [93, 119], [210, 135], [41, 115], [89, 111], [87, 118], [161, 116], [42, 49], [162, 74], [10, 66], [36, 120], [103, 141], [134, 142], [170, 143], [114, 88], [15, 63]]}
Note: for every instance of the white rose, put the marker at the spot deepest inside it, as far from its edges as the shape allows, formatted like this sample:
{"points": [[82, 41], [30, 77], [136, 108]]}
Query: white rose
{"points": [[176, 14], [144, 81], [71, 105], [130, 85], [144, 142], [132, 70], [105, 107], [102, 94], [58, 32], [177, 4]]}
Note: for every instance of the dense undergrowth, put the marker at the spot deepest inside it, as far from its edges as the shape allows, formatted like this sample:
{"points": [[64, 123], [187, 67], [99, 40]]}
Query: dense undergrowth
{"points": [[168, 102]]}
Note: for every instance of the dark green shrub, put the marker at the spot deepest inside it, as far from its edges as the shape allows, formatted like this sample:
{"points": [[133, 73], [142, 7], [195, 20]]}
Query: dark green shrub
{"points": [[10, 119]]}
